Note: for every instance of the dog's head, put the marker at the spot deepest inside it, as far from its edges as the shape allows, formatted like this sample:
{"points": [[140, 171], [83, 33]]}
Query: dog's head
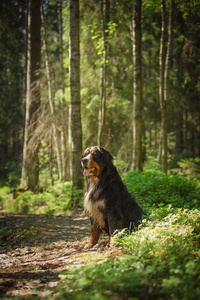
{"points": [[94, 159]]}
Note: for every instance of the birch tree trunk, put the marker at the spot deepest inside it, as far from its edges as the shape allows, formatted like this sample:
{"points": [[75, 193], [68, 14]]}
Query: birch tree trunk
{"points": [[76, 127], [64, 106], [30, 165], [51, 94], [137, 88], [105, 6]]}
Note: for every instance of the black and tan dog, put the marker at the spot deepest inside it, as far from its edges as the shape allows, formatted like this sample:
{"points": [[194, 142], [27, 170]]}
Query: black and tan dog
{"points": [[106, 199]]}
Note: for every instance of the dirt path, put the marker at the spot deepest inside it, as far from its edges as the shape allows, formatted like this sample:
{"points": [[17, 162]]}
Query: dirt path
{"points": [[34, 249]]}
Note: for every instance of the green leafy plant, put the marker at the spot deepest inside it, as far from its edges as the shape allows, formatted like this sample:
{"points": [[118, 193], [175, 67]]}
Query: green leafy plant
{"points": [[97, 35], [155, 189], [53, 200], [5, 232], [160, 261], [190, 167]]}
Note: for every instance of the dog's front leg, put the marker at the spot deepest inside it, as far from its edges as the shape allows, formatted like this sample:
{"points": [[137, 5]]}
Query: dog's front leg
{"points": [[95, 233]]}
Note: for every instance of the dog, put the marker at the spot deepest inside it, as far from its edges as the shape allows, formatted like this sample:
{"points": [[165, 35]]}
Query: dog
{"points": [[106, 199]]}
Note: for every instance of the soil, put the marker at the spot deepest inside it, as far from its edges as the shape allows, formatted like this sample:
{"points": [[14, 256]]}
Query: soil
{"points": [[35, 249]]}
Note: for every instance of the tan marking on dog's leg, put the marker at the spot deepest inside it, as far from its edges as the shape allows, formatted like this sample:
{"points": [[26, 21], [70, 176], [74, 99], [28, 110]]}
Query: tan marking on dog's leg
{"points": [[95, 233]]}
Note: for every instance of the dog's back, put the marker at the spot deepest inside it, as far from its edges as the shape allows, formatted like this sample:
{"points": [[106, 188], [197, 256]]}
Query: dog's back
{"points": [[119, 198]]}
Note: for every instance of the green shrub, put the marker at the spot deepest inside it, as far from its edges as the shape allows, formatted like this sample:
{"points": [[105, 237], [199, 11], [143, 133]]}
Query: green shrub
{"points": [[53, 200], [5, 232], [190, 167], [5, 192], [154, 189], [161, 261]]}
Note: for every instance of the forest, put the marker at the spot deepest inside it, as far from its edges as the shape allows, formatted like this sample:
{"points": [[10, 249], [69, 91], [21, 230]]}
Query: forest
{"points": [[124, 75], [107, 113]]}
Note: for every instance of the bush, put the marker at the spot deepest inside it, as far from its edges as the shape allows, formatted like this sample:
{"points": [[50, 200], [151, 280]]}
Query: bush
{"points": [[11, 172], [190, 167], [155, 189], [161, 261], [53, 200]]}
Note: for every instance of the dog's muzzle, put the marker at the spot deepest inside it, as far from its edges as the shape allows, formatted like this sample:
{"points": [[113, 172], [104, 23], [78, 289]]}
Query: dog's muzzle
{"points": [[84, 162]]}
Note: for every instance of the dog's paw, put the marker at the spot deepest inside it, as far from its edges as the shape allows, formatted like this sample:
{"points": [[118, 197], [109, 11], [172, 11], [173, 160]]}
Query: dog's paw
{"points": [[89, 246]]}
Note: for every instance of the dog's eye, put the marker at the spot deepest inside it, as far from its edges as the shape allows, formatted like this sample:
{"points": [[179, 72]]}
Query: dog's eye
{"points": [[92, 152], [87, 152]]}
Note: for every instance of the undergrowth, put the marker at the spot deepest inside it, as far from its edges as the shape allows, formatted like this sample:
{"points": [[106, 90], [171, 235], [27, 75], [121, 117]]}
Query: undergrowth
{"points": [[151, 189], [159, 261], [54, 200], [156, 189]]}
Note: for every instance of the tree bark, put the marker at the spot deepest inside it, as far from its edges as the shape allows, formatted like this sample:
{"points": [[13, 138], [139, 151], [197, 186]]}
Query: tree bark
{"points": [[165, 60], [137, 88], [64, 106], [76, 127], [162, 158], [30, 165], [51, 94], [105, 6]]}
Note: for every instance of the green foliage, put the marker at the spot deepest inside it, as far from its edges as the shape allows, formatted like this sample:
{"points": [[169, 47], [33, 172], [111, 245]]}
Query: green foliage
{"points": [[5, 232], [5, 192], [161, 261], [155, 189], [13, 173], [53, 200], [97, 35], [77, 200], [190, 167]]}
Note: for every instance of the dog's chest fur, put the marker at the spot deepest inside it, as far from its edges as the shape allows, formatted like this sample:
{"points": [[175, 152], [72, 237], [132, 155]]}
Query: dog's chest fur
{"points": [[94, 207]]}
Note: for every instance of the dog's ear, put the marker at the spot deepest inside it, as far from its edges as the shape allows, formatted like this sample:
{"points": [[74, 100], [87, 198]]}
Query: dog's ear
{"points": [[106, 156]]}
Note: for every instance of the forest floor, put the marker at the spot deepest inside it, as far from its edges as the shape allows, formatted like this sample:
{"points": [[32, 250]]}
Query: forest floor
{"points": [[35, 249]]}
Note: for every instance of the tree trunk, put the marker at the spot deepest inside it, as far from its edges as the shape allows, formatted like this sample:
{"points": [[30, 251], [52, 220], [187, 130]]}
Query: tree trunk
{"points": [[165, 60], [51, 94], [30, 166], [64, 106], [163, 154], [51, 158], [137, 88], [76, 127], [155, 124], [105, 5], [24, 177]]}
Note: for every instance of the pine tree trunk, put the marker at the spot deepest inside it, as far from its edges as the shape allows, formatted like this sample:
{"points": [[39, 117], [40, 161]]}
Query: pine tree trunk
{"points": [[24, 177], [30, 165], [76, 127], [155, 124], [64, 106], [163, 138], [137, 88], [105, 5], [165, 60], [51, 158], [51, 95]]}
